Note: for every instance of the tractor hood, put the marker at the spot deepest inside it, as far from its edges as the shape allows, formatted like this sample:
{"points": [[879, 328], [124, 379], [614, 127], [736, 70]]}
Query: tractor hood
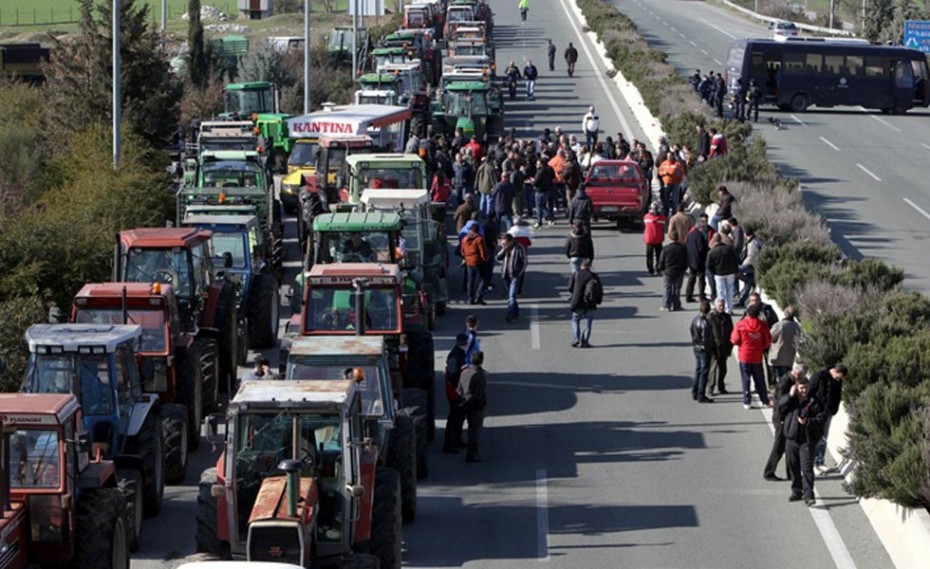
{"points": [[271, 503]]}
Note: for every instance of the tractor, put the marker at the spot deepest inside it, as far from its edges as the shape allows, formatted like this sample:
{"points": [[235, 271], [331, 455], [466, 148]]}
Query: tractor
{"points": [[476, 107], [97, 363], [170, 359], [301, 479], [382, 171], [240, 249], [61, 504], [258, 101], [183, 258]]}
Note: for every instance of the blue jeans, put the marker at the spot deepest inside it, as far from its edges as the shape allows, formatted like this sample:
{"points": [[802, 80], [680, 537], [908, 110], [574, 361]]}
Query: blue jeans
{"points": [[513, 289], [726, 289], [748, 277], [581, 333], [530, 88], [575, 263], [542, 207], [505, 221], [475, 283], [821, 450], [590, 139], [486, 204], [757, 373], [714, 220], [528, 201], [701, 371]]}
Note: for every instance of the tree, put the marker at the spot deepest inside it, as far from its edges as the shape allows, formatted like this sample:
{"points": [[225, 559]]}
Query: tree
{"points": [[79, 77], [904, 10], [879, 15], [198, 62]]}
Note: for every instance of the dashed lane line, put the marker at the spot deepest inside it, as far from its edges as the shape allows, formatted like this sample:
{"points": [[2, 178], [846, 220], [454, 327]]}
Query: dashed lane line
{"points": [[830, 144], [542, 516], [534, 326], [919, 209], [869, 172]]}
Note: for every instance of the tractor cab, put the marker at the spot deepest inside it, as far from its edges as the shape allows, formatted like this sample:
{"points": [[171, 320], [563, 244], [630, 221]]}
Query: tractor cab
{"points": [[242, 100], [353, 299], [382, 171]]}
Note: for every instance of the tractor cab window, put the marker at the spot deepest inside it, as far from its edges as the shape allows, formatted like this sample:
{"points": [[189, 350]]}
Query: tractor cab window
{"points": [[247, 102], [356, 247], [231, 174], [200, 255], [128, 379], [400, 177], [85, 375], [372, 402], [233, 243], [154, 331], [334, 309], [35, 460], [304, 155], [166, 266]]}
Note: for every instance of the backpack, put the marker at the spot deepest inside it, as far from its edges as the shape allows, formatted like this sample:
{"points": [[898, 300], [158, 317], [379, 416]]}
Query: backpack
{"points": [[593, 291]]}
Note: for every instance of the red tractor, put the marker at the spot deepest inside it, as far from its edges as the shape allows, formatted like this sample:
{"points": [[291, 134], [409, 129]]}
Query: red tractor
{"points": [[172, 362], [60, 507], [300, 480], [183, 258]]}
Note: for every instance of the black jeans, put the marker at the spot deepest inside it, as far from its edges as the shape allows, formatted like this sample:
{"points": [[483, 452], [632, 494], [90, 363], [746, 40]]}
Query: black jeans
{"points": [[778, 449], [695, 276], [652, 257], [800, 458], [475, 424], [475, 283], [672, 297], [718, 373], [454, 427]]}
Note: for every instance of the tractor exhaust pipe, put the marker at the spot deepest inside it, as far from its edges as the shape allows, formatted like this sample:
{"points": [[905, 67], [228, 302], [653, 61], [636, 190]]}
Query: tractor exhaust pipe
{"points": [[359, 295], [124, 305], [292, 468], [5, 472]]}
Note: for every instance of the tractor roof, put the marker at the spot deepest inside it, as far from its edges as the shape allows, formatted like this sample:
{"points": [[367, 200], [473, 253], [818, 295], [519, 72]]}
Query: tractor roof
{"points": [[467, 86], [249, 86], [389, 197], [361, 270], [357, 221], [98, 338], [290, 393], [389, 51], [163, 237], [400, 35], [213, 222], [378, 78], [37, 408], [354, 160], [354, 346], [115, 291], [249, 157]]}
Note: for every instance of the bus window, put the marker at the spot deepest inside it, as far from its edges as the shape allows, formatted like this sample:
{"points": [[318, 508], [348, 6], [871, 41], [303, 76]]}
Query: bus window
{"points": [[758, 64], [793, 64], [902, 76], [853, 66], [877, 67], [832, 64], [813, 63]]}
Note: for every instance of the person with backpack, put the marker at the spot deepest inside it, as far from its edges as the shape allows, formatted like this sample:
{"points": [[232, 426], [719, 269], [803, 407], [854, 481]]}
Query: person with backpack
{"points": [[456, 361], [579, 246], [586, 294]]}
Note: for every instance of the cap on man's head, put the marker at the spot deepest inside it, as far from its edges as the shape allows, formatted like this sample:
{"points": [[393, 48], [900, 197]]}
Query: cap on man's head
{"points": [[461, 338]]}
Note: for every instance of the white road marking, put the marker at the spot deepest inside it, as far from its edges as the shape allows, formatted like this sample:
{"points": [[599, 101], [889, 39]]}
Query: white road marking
{"points": [[927, 146], [867, 171], [292, 264], [683, 36], [797, 120], [704, 51], [692, 43], [919, 209], [672, 29], [600, 76], [534, 326], [722, 31], [542, 516], [290, 240], [881, 120], [830, 144], [717, 61]]}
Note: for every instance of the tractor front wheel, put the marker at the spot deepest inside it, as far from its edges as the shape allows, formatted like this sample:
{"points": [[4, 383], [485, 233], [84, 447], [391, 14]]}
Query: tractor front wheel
{"points": [[386, 540], [207, 539], [100, 522]]}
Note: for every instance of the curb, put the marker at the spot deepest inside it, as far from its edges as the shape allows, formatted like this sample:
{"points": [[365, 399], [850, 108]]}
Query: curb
{"points": [[904, 532]]}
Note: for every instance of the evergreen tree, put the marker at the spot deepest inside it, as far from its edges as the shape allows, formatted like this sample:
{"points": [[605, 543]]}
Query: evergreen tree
{"points": [[198, 62], [879, 15]]}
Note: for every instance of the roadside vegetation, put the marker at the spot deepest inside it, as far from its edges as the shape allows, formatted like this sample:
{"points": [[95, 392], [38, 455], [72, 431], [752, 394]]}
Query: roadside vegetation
{"points": [[852, 311]]}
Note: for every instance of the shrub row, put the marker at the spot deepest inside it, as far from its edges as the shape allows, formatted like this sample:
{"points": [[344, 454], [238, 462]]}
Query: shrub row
{"points": [[852, 311]]}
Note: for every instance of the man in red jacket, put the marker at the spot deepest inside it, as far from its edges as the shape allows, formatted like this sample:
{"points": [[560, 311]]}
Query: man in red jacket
{"points": [[752, 336], [653, 235]]}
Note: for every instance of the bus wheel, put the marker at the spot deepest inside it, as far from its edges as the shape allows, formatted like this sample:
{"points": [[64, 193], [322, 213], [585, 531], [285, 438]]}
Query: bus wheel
{"points": [[800, 102]]}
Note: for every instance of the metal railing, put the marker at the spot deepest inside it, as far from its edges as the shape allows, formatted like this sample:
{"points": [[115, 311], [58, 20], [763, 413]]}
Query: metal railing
{"points": [[800, 26]]}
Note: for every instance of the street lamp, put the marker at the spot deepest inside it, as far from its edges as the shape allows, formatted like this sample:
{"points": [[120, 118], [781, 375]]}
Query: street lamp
{"points": [[117, 102], [307, 58]]}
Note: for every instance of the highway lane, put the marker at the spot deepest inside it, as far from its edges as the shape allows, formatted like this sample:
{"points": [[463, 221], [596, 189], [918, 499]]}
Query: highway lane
{"points": [[864, 172]]}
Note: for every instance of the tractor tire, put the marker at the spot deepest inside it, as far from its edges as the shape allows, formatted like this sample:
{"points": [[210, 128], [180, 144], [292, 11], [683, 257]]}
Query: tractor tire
{"points": [[359, 561], [175, 433], [277, 239], [263, 312], [415, 403], [101, 530], [210, 374], [190, 392], [206, 537], [386, 539], [150, 447], [421, 374], [129, 483], [402, 456], [230, 352]]}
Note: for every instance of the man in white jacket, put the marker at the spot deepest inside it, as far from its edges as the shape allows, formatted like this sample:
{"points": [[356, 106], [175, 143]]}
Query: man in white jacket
{"points": [[590, 125]]}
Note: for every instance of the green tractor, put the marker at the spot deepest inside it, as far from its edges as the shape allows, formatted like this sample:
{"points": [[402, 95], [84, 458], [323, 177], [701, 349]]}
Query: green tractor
{"points": [[258, 101], [474, 106], [382, 171]]}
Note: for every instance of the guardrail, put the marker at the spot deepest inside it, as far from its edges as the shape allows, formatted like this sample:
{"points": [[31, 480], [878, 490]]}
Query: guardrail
{"points": [[800, 26]]}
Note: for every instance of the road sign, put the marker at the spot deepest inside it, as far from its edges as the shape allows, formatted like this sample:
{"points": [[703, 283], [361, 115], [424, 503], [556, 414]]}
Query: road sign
{"points": [[917, 35]]}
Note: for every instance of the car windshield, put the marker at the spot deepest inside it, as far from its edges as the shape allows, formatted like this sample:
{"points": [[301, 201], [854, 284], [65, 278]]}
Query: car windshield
{"points": [[613, 173], [166, 266], [403, 176], [232, 243], [230, 173], [304, 154], [305, 368], [152, 321], [355, 247], [85, 375], [333, 309], [35, 459]]}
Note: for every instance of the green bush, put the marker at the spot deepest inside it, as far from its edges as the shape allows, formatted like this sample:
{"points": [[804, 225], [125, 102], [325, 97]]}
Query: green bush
{"points": [[785, 278], [902, 360], [798, 252], [743, 163], [871, 273], [886, 437], [15, 316]]}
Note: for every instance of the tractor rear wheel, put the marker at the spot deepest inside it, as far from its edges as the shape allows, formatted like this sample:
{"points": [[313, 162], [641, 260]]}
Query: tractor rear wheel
{"points": [[130, 486], [403, 458], [277, 239], [190, 392], [207, 539], [210, 374], [175, 433], [263, 312], [100, 522], [231, 352], [386, 540], [415, 403], [421, 374], [149, 446]]}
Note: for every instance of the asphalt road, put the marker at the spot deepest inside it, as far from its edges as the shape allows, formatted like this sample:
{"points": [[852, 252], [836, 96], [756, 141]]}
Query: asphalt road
{"points": [[864, 172], [593, 458]]}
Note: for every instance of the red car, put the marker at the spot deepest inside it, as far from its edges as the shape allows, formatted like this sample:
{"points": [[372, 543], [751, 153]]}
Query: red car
{"points": [[618, 190]]}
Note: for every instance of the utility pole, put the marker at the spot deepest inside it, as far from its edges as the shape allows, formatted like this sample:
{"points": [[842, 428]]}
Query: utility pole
{"points": [[307, 58], [117, 92], [832, 11], [354, 38], [164, 20]]}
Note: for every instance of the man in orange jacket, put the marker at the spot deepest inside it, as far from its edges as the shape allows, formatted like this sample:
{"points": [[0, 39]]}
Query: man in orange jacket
{"points": [[475, 253], [672, 174]]}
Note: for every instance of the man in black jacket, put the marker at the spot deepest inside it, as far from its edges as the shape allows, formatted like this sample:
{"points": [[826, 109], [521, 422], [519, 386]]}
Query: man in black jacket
{"points": [[698, 247], [581, 208], [581, 305], [473, 396], [673, 262], [723, 264], [579, 246], [455, 363], [782, 388], [702, 339], [512, 258], [804, 414], [721, 325], [828, 385], [542, 184]]}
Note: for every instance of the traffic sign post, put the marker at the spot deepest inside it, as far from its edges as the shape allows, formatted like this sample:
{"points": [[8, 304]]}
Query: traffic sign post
{"points": [[917, 35]]}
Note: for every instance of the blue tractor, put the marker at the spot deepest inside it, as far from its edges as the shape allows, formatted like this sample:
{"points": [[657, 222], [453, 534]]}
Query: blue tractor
{"points": [[97, 363], [245, 258]]}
